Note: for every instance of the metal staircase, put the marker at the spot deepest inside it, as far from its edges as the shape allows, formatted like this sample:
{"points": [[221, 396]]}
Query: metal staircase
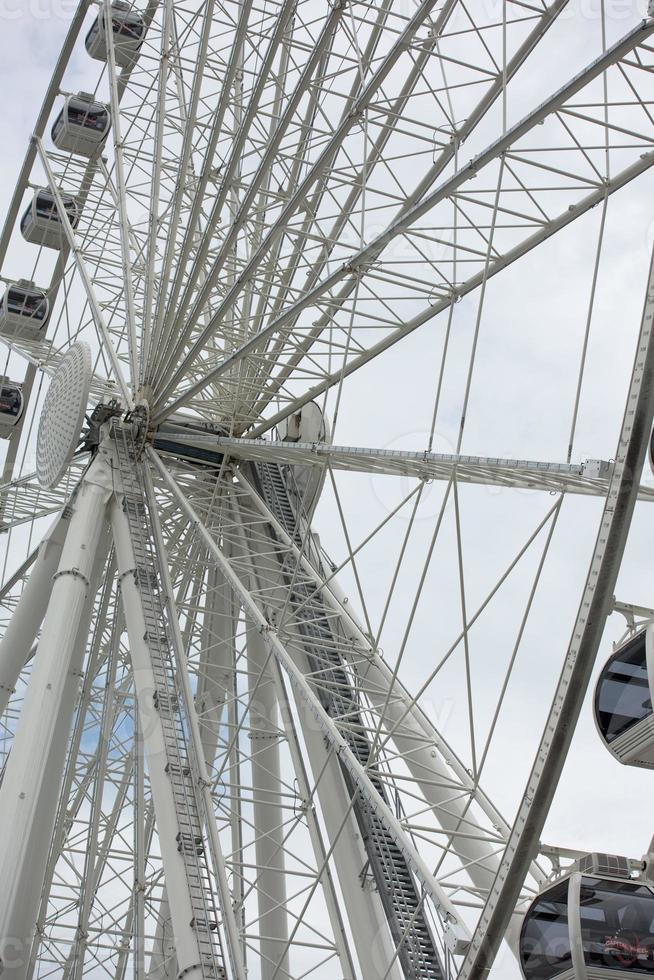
{"points": [[169, 703], [395, 883]]}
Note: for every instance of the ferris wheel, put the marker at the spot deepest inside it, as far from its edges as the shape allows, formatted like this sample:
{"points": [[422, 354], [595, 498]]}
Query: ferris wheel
{"points": [[241, 233]]}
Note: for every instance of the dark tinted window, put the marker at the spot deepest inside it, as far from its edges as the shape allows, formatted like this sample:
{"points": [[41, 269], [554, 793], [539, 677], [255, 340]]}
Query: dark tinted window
{"points": [[93, 33], [622, 697], [617, 926], [545, 940], [58, 125], [46, 207], [87, 116], [10, 401], [128, 26], [27, 304]]}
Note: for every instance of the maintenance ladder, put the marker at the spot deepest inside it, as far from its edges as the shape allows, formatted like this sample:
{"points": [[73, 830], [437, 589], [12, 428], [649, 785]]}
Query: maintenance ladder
{"points": [[170, 706], [395, 883]]}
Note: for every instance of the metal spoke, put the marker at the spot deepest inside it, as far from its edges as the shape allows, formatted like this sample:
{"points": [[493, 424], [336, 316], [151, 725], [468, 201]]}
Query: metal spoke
{"points": [[274, 668]]}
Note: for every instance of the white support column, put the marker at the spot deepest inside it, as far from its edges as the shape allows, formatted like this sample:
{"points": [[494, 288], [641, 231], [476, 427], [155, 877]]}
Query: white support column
{"points": [[34, 769], [268, 812], [28, 615], [185, 939], [321, 854], [216, 673], [55, 766], [364, 912], [366, 917], [70, 800]]}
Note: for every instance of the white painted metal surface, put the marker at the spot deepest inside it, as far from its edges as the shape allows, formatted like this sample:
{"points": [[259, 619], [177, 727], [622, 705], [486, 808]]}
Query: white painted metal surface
{"points": [[225, 742], [63, 412], [31, 780]]}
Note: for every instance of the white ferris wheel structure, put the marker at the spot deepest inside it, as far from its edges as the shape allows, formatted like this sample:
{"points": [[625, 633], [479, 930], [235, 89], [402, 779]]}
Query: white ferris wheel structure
{"points": [[240, 226]]}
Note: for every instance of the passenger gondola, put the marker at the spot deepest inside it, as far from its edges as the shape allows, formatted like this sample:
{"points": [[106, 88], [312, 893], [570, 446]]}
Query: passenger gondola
{"points": [[128, 31], [82, 125], [595, 924], [12, 405], [623, 702], [41, 223], [24, 311]]}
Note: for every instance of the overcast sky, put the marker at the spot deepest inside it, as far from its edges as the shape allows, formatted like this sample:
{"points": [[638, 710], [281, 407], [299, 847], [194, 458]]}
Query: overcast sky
{"points": [[530, 341]]}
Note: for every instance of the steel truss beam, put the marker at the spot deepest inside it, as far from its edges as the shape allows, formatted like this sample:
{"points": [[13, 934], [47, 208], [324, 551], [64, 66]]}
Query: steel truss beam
{"points": [[121, 192], [356, 108], [185, 161], [313, 203], [190, 233], [590, 478]]}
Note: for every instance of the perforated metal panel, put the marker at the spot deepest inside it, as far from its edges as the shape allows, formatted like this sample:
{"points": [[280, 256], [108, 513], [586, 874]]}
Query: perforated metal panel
{"points": [[63, 415]]}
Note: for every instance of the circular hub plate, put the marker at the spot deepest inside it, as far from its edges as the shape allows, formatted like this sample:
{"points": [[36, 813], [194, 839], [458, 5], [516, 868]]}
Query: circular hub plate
{"points": [[63, 415]]}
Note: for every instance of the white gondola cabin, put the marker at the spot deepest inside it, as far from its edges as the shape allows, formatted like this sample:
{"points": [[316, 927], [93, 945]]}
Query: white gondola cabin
{"points": [[623, 702], [12, 405], [128, 29], [41, 223], [82, 126], [24, 311], [595, 924]]}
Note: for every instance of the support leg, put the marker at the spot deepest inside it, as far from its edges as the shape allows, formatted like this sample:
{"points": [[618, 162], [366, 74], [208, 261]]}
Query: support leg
{"points": [[21, 632], [369, 929], [27, 807], [268, 812], [215, 687], [188, 957], [216, 674]]}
